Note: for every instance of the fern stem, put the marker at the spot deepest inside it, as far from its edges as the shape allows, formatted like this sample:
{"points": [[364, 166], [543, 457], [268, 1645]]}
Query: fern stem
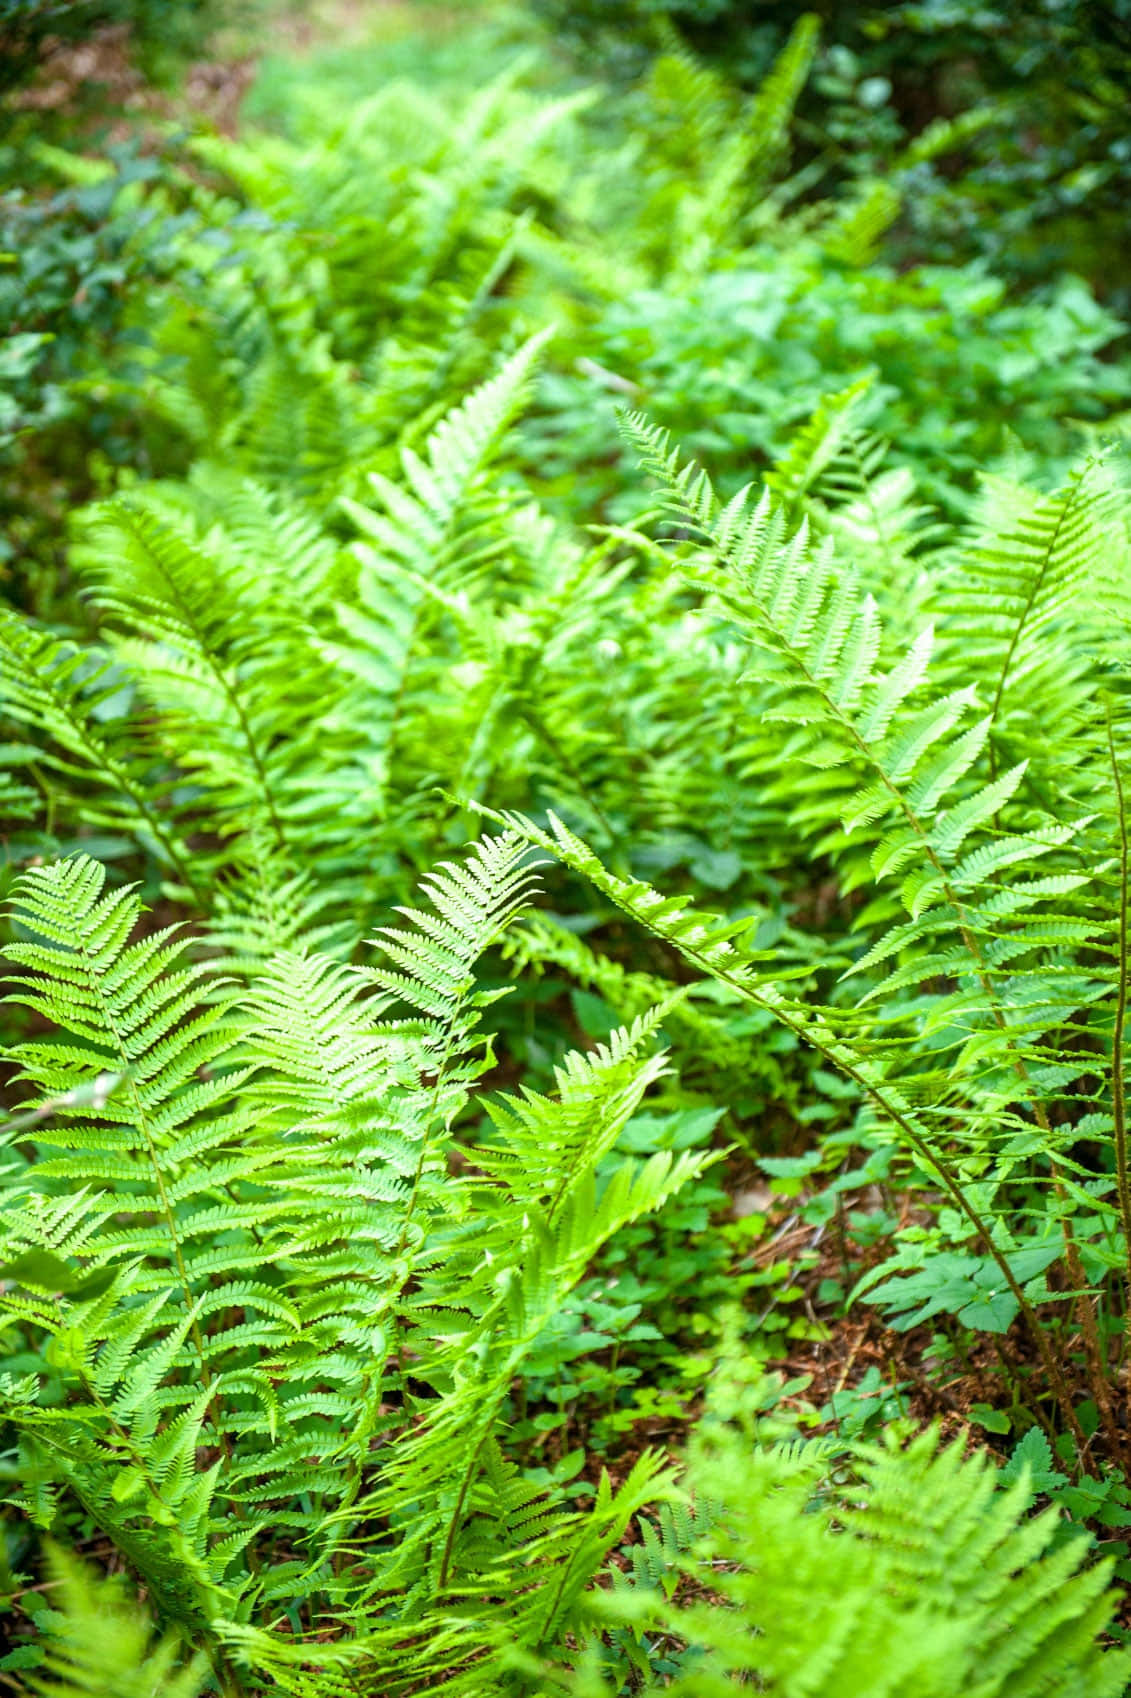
{"points": [[555, 1602], [1011, 1370], [453, 1027], [958, 1194], [155, 1581], [584, 861], [456, 1516], [1098, 1381], [1118, 1089], [836, 1054], [257, 762]]}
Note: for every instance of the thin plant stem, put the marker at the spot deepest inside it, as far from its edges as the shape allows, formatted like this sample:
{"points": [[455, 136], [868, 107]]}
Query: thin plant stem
{"points": [[1118, 1088]]}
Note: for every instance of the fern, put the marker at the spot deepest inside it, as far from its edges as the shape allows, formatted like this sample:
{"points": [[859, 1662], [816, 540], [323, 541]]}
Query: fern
{"points": [[416, 543], [726, 157], [240, 1232], [215, 678], [50, 687], [816, 447], [878, 760], [98, 1646], [279, 1265], [916, 1575], [884, 757], [1008, 600]]}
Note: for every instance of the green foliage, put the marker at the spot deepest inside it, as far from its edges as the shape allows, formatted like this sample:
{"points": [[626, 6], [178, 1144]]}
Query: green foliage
{"points": [[97, 1645], [354, 1242], [908, 1575], [73, 259], [1054, 197], [298, 304], [963, 1033], [244, 1244], [1033, 100], [30, 28]]}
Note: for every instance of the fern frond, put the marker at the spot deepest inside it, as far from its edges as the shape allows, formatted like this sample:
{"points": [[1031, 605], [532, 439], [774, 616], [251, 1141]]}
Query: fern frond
{"points": [[50, 687], [772, 109], [514, 1287], [938, 1583], [1007, 602], [417, 536], [98, 1644], [902, 774]]}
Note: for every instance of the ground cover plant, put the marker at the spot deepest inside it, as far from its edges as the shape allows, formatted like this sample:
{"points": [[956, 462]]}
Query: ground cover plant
{"points": [[566, 886]]}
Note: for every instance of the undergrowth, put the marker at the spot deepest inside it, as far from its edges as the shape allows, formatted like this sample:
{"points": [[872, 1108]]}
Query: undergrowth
{"points": [[519, 944]]}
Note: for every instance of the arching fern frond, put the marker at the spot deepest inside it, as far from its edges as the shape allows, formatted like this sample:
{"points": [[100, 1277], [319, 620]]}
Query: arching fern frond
{"points": [[228, 688], [514, 1283], [435, 531]]}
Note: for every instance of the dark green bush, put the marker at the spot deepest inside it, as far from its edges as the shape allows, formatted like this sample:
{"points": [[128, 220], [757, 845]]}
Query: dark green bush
{"points": [[70, 258], [1043, 187], [74, 259], [1048, 185]]}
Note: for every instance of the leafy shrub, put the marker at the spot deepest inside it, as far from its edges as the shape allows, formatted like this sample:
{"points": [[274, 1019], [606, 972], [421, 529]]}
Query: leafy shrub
{"points": [[76, 259], [1046, 185], [738, 359]]}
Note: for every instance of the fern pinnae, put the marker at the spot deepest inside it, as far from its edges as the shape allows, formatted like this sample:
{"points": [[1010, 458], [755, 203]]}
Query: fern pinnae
{"points": [[180, 609], [815, 446], [101, 1643], [100, 1008], [764, 602], [703, 941], [1056, 533], [519, 1280], [1019, 573], [47, 687], [833, 660], [126, 998]]}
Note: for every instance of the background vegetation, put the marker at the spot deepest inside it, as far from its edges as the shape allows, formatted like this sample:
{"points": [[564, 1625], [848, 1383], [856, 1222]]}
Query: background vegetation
{"points": [[564, 707]]}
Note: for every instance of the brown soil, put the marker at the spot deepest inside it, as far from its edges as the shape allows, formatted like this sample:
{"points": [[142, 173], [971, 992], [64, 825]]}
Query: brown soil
{"points": [[213, 88]]}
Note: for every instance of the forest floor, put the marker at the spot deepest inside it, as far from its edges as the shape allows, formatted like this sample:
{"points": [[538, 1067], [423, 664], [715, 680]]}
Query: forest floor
{"points": [[212, 88]]}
